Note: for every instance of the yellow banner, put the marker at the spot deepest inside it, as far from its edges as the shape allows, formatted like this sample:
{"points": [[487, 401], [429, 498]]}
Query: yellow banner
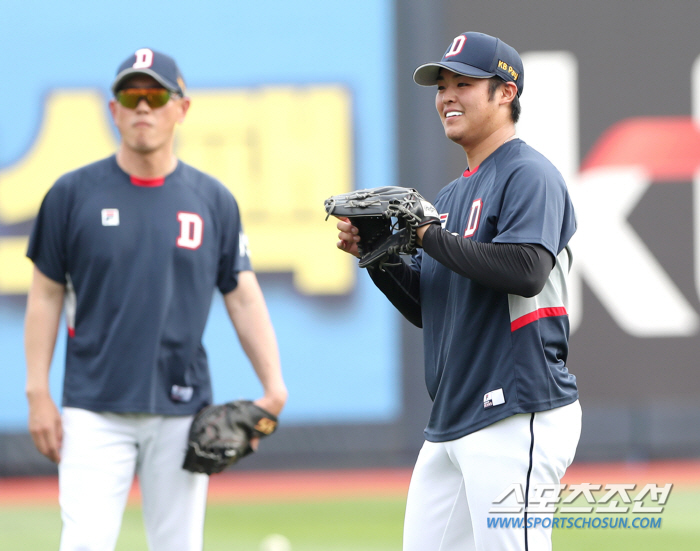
{"points": [[280, 150]]}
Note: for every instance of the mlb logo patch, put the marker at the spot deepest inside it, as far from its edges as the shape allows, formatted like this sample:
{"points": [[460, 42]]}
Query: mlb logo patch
{"points": [[110, 217], [494, 398], [181, 393]]}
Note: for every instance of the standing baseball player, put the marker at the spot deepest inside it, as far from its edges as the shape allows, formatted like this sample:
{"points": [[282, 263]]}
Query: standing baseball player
{"points": [[489, 290], [135, 245]]}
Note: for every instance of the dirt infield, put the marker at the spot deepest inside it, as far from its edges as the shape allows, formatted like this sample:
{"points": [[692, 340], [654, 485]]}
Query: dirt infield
{"points": [[343, 484]]}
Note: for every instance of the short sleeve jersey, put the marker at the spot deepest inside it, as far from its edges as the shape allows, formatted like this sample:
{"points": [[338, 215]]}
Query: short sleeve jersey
{"points": [[490, 355], [140, 260]]}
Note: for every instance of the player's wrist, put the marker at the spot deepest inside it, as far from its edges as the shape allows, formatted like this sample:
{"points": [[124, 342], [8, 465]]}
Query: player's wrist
{"points": [[274, 399], [37, 392], [420, 232]]}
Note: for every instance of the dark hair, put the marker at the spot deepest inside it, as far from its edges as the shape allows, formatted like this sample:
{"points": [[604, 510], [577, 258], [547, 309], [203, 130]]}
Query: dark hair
{"points": [[494, 84]]}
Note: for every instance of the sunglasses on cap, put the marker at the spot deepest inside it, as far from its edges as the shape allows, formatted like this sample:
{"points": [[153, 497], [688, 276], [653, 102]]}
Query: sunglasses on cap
{"points": [[155, 97]]}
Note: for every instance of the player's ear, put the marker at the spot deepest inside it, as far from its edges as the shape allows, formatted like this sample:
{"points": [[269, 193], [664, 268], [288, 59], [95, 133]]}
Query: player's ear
{"points": [[509, 92], [184, 107], [112, 107]]}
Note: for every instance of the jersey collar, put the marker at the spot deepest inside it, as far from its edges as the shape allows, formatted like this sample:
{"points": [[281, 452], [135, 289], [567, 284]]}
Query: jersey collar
{"points": [[147, 182]]}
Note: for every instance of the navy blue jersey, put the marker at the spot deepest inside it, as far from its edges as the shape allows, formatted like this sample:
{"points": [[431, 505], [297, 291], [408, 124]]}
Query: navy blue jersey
{"points": [[489, 354], [140, 260]]}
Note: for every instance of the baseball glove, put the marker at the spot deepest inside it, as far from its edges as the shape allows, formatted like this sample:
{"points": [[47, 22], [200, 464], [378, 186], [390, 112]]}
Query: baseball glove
{"points": [[220, 435], [387, 219]]}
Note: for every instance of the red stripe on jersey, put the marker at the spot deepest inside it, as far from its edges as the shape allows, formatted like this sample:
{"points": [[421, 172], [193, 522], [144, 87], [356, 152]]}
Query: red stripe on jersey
{"points": [[147, 182], [537, 314], [468, 172], [71, 331]]}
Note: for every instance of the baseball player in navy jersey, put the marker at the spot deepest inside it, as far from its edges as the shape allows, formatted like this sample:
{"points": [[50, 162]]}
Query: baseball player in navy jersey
{"points": [[489, 290], [135, 245]]}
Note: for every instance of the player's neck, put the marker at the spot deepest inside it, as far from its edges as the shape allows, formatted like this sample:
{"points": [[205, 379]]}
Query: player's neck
{"points": [[478, 152], [154, 164]]}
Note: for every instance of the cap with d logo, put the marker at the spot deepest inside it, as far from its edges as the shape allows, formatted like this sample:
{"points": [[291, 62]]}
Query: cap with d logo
{"points": [[154, 64], [476, 55]]}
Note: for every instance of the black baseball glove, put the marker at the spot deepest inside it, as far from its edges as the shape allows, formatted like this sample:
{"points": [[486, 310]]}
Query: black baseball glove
{"points": [[387, 219], [220, 435]]}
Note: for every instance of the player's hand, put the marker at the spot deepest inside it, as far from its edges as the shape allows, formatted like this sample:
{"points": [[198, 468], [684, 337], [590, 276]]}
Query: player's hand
{"points": [[45, 426], [349, 237]]}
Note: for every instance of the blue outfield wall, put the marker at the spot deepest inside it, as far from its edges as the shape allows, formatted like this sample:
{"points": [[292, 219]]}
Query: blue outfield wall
{"points": [[242, 49]]}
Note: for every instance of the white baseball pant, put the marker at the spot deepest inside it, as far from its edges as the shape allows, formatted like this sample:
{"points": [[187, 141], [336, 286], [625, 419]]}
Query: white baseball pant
{"points": [[454, 484], [101, 453]]}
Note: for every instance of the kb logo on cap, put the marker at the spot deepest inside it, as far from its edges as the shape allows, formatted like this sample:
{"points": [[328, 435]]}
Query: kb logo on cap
{"points": [[503, 66]]}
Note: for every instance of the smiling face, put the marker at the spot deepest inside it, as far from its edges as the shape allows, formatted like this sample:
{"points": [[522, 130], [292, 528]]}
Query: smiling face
{"points": [[145, 129], [469, 113]]}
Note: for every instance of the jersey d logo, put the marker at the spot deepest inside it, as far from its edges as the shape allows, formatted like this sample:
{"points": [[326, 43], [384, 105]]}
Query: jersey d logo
{"points": [[191, 230], [474, 216]]}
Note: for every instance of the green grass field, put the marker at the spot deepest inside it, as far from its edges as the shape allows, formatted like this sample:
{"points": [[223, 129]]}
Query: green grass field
{"points": [[344, 525]]}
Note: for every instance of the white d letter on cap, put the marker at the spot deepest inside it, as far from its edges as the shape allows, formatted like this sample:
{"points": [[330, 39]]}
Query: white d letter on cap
{"points": [[144, 59], [457, 45]]}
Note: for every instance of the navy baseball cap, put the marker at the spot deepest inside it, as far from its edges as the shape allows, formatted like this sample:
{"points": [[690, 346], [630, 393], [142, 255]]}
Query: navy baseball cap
{"points": [[154, 64], [476, 55]]}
